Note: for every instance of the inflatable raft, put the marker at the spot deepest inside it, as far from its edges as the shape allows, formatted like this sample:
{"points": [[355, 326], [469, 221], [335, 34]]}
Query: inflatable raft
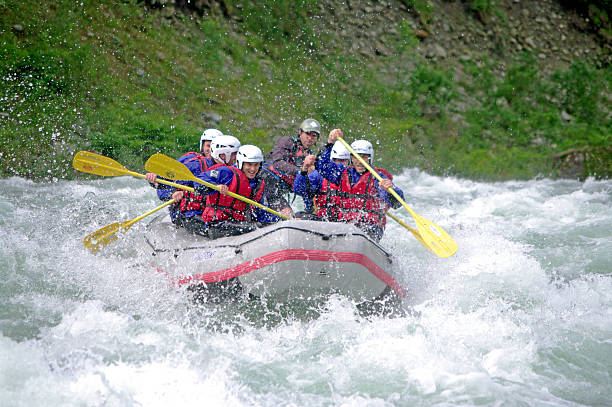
{"points": [[287, 260]]}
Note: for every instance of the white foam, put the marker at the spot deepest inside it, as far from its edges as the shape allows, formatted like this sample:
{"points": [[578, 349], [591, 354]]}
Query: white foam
{"points": [[520, 315]]}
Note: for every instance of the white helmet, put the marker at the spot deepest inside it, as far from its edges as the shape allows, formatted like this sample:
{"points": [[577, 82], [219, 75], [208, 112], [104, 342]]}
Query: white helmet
{"points": [[224, 144], [249, 153], [209, 135], [363, 147], [339, 151]]}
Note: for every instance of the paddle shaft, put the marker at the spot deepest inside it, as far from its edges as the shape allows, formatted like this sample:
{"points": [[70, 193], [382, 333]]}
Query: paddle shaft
{"points": [[241, 198], [172, 169], [377, 176], [129, 223], [415, 232]]}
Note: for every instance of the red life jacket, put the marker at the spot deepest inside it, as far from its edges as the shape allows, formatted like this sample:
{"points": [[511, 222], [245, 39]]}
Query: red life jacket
{"points": [[223, 207], [360, 203], [256, 195], [192, 201], [296, 157], [328, 201]]}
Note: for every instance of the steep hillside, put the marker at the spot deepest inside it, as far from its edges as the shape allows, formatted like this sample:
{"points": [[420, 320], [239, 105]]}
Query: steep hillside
{"points": [[488, 89]]}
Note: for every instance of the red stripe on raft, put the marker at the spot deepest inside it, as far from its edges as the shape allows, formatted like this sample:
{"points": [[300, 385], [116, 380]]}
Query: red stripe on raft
{"points": [[297, 254]]}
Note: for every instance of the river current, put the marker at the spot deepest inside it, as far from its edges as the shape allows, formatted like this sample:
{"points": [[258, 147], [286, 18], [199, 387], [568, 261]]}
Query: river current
{"points": [[520, 316]]}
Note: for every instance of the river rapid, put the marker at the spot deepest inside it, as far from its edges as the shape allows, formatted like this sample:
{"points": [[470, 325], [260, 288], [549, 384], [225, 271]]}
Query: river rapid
{"points": [[520, 316]]}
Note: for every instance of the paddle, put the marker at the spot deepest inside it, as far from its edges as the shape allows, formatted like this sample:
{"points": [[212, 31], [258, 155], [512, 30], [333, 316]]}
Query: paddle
{"points": [[170, 168], [97, 164], [102, 237], [432, 236], [415, 232]]}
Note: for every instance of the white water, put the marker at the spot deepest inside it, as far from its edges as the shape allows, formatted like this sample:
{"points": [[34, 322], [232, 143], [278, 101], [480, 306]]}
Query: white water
{"points": [[520, 316]]}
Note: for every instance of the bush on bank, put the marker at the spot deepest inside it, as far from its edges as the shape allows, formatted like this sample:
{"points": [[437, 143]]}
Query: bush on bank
{"points": [[126, 81]]}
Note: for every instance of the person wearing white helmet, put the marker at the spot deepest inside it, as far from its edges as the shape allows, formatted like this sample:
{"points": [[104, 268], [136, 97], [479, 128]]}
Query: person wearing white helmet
{"points": [[197, 162], [191, 203], [205, 140], [311, 186], [224, 215], [339, 153], [363, 200], [218, 206]]}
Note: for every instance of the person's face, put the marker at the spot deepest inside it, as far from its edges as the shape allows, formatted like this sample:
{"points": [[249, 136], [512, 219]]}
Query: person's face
{"points": [[343, 162], [308, 139], [206, 148], [232, 159], [250, 169], [358, 165]]}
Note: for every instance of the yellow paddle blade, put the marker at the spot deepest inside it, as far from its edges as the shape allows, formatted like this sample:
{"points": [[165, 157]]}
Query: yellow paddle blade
{"points": [[102, 237], [96, 164], [435, 238], [170, 168], [105, 236], [93, 163]]}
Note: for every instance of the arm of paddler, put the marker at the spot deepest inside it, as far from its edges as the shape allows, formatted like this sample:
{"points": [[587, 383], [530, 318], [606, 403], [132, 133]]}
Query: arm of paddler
{"points": [[386, 196], [221, 177], [280, 155], [328, 169], [307, 186]]}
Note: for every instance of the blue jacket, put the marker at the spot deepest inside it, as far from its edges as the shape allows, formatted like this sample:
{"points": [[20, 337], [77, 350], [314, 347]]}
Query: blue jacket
{"points": [[307, 187], [164, 192]]}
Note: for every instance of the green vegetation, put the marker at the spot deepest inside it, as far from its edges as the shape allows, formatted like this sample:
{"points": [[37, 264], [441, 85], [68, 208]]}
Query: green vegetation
{"points": [[422, 8], [525, 116], [126, 81], [600, 13]]}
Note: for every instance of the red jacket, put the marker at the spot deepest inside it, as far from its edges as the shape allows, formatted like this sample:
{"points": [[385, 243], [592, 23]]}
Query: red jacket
{"points": [[360, 203], [224, 207], [193, 201]]}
